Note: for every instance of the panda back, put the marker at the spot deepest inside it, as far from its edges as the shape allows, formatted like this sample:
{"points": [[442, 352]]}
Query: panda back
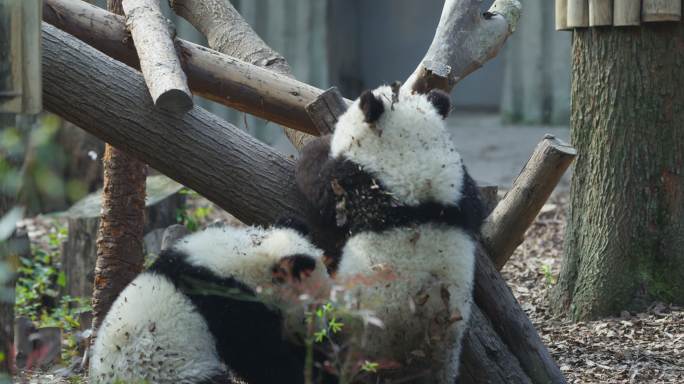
{"points": [[152, 332]]}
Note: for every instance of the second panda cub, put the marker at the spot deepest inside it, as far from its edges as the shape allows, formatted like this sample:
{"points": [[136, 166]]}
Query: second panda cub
{"points": [[392, 180]]}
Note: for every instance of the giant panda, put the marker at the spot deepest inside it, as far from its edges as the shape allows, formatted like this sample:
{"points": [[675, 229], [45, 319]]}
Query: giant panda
{"points": [[224, 299], [392, 182]]}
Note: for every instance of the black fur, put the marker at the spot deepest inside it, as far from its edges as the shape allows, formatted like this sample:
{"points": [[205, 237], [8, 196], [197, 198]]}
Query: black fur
{"points": [[365, 204], [248, 333], [294, 223], [441, 101], [371, 106]]}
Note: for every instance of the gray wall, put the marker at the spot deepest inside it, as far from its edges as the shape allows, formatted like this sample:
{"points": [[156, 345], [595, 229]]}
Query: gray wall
{"points": [[381, 41]]}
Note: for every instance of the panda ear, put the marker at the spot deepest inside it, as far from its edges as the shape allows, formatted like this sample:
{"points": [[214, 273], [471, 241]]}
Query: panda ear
{"points": [[371, 106], [441, 101]]}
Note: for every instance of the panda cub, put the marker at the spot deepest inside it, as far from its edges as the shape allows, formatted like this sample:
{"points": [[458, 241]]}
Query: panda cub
{"points": [[218, 300], [392, 180]]}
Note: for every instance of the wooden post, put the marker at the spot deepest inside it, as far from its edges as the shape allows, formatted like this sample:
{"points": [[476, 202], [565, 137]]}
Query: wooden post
{"points": [[600, 12], [578, 13], [661, 10], [529, 192], [10, 56], [626, 12], [153, 37], [32, 84], [562, 15]]}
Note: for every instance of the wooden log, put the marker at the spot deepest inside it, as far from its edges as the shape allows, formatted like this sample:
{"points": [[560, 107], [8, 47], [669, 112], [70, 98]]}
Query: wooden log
{"points": [[32, 89], [600, 12], [326, 110], [213, 75], [260, 187], [465, 39], [11, 79], [578, 13], [153, 36], [496, 301], [485, 358], [661, 10], [505, 228], [562, 15], [626, 12]]}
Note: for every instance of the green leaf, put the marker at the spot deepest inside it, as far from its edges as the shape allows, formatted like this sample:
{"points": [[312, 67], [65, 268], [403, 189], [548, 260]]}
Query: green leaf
{"points": [[369, 366], [61, 279], [2, 357]]}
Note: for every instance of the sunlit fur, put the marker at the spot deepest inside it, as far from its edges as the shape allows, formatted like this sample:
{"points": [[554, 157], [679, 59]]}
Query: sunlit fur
{"points": [[160, 334]]}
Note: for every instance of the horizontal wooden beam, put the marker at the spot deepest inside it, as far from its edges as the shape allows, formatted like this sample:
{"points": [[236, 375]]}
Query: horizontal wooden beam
{"points": [[218, 77]]}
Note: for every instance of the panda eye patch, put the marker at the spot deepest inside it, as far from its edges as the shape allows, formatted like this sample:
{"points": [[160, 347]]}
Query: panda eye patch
{"points": [[293, 268]]}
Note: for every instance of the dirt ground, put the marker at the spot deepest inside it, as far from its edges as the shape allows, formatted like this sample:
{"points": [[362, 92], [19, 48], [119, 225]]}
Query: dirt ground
{"points": [[634, 348]]}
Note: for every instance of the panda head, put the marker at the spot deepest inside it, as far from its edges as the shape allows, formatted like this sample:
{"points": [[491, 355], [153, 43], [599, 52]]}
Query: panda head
{"points": [[390, 148], [264, 259]]}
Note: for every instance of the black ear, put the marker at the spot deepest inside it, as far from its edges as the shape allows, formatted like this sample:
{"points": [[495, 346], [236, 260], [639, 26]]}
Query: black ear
{"points": [[371, 106], [292, 223], [441, 101]]}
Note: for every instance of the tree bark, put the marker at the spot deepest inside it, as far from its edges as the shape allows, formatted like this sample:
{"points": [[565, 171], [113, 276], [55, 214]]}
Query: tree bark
{"points": [[625, 231], [153, 36], [196, 147], [218, 77], [120, 235]]}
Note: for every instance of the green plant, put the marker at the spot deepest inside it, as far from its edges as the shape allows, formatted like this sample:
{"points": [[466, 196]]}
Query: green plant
{"points": [[38, 297], [192, 217], [548, 275]]}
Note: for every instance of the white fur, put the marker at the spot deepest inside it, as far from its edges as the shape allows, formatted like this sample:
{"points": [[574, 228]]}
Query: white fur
{"points": [[153, 334], [409, 148], [422, 261], [247, 254]]}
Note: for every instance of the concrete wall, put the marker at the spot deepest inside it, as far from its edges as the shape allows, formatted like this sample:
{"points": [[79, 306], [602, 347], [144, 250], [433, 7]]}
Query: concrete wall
{"points": [[382, 41]]}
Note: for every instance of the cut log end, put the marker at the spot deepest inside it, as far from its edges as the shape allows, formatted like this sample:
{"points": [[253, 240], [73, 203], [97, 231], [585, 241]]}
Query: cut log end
{"points": [[174, 100], [325, 110], [504, 229]]}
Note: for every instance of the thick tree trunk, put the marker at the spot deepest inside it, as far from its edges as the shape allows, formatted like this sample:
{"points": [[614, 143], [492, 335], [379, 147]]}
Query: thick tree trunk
{"points": [[120, 235], [625, 232]]}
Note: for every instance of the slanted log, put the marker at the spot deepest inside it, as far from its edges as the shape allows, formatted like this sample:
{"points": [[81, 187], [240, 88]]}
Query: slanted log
{"points": [[213, 75], [153, 37], [465, 39], [496, 301], [600, 12], [485, 358], [661, 10], [505, 227], [626, 12]]}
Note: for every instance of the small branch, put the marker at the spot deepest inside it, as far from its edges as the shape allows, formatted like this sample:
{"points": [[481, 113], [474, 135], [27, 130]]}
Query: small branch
{"points": [[153, 36], [505, 228], [464, 41]]}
